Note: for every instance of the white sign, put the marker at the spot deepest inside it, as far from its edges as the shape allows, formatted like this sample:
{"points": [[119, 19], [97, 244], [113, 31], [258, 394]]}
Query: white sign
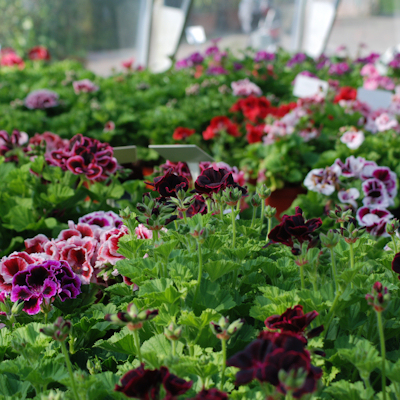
{"points": [[375, 98], [189, 153], [125, 154], [306, 86]]}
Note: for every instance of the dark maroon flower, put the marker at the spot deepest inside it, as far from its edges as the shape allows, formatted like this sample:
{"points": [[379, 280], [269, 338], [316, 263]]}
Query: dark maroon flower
{"points": [[294, 227], [379, 297], [199, 206], [273, 353], [168, 184], [173, 385], [396, 264], [211, 394], [294, 320], [39, 53], [143, 384], [215, 180]]}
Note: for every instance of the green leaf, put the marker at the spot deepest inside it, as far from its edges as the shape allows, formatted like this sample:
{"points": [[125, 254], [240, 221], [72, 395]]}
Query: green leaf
{"points": [[162, 290], [121, 342], [216, 269], [12, 388], [157, 348]]}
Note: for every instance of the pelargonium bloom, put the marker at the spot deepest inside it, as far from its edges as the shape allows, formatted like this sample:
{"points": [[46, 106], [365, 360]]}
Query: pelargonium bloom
{"points": [[346, 93], [181, 133], [396, 264], [128, 64], [298, 58], [169, 184], [50, 140], [254, 133], [375, 193], [199, 206], [253, 108], [39, 53], [353, 139], [10, 142], [349, 196], [385, 122], [107, 254], [294, 227], [264, 56], [102, 219], [244, 87], [353, 167], [271, 357], [210, 394], [41, 99], [38, 284], [294, 320], [109, 126], [323, 180], [374, 220], [339, 68], [218, 125], [11, 59], [84, 86]]}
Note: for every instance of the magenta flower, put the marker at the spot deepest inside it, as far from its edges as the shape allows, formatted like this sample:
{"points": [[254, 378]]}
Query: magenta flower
{"points": [[339, 69], [10, 142], [379, 297], [396, 264], [84, 86], [298, 58], [41, 99], [264, 56], [216, 70], [375, 193], [102, 219], [374, 220], [244, 87], [108, 250], [349, 196]]}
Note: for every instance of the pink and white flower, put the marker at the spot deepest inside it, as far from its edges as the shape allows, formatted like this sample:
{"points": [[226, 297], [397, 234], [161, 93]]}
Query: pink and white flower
{"points": [[245, 87], [353, 166], [385, 122], [353, 139], [374, 219], [349, 196], [84, 86], [41, 99], [323, 180]]}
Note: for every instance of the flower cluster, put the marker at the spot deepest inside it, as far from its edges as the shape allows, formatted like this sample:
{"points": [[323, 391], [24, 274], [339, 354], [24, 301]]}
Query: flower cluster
{"points": [[220, 125], [86, 156], [39, 284], [84, 86], [279, 359], [145, 384], [294, 228], [39, 53], [10, 142], [244, 87], [181, 133], [379, 297], [373, 80], [41, 99]]}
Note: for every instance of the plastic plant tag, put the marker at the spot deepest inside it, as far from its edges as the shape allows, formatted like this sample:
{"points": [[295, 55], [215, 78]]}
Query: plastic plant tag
{"points": [[125, 154], [189, 153], [306, 86], [375, 98]]}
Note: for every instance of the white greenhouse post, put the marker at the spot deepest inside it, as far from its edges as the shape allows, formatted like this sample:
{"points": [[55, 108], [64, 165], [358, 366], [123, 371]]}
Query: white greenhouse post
{"points": [[144, 32], [298, 25]]}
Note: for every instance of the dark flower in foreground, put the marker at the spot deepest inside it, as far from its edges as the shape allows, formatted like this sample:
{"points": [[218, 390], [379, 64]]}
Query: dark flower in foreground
{"points": [[199, 206], [294, 227], [39, 53], [215, 180], [211, 394], [144, 384], [396, 264], [294, 320], [281, 360], [379, 297], [168, 184], [181, 133]]}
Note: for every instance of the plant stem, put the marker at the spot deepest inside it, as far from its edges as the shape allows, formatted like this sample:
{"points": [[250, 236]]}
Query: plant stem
{"points": [[351, 260], [288, 396], [173, 342], [208, 202], [184, 217], [383, 353], [334, 271], [262, 214], [253, 218], [223, 343], [155, 236], [331, 314], [69, 367], [200, 273], [394, 244], [221, 211], [137, 344], [233, 215], [303, 285], [269, 228]]}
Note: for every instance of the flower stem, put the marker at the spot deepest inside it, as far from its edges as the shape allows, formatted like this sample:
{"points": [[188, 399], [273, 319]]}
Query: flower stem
{"points": [[69, 367], [223, 343], [383, 353], [137, 344], [221, 211], [155, 236], [184, 217], [233, 215], [351, 260], [262, 214], [303, 285], [200, 273], [253, 218], [173, 342], [208, 202], [269, 228], [334, 271], [331, 311], [394, 244]]}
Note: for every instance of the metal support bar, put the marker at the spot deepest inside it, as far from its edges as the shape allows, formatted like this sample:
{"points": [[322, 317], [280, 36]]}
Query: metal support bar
{"points": [[144, 32]]}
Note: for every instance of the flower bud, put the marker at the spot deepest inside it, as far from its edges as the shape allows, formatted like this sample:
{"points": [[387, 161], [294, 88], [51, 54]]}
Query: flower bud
{"points": [[173, 331], [17, 307], [292, 379], [263, 191], [379, 297], [94, 366], [269, 211], [231, 196], [392, 226], [256, 200], [127, 214], [339, 215], [351, 234], [330, 240], [223, 329], [59, 331]]}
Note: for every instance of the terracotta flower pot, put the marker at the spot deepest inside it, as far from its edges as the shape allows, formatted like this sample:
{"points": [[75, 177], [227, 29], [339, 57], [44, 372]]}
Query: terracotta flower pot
{"points": [[282, 199]]}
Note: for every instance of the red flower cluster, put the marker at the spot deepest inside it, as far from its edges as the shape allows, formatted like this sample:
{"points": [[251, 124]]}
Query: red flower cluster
{"points": [[282, 110], [218, 125], [181, 133], [346, 93], [294, 320], [145, 384], [280, 359], [253, 108], [85, 156], [254, 133], [39, 53], [294, 227]]}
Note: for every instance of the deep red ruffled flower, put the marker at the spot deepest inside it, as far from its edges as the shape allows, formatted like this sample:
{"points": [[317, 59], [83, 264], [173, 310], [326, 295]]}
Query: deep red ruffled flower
{"points": [[396, 264], [168, 184], [294, 320], [214, 180], [173, 385], [294, 227], [181, 133], [254, 133], [210, 394], [39, 53], [346, 93], [199, 206], [218, 125], [253, 108], [272, 352], [282, 110]]}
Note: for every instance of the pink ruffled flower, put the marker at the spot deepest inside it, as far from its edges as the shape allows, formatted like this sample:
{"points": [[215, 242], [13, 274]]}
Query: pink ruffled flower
{"points": [[50, 140], [108, 250], [244, 87], [84, 86], [104, 220], [353, 139], [369, 70], [374, 219], [109, 126], [128, 64], [36, 244], [10, 142], [323, 180], [41, 99], [385, 122], [143, 233], [353, 167], [376, 194], [12, 60]]}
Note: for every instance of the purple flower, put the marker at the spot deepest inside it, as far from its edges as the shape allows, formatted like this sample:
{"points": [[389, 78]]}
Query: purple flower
{"points": [[101, 219], [40, 283], [339, 68], [298, 58], [212, 50], [323, 180], [210, 394], [395, 63], [349, 196], [195, 58], [237, 66], [396, 264], [370, 59], [383, 174], [181, 64], [375, 193], [264, 56], [217, 70], [352, 167], [41, 99], [374, 219], [10, 142], [84, 86]]}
